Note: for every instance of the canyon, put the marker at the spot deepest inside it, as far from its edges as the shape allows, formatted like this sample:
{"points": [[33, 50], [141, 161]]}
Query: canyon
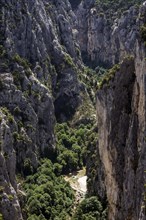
{"points": [[45, 48]]}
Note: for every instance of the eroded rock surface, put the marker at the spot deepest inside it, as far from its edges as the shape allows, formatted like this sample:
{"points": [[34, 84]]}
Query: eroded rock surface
{"points": [[39, 60], [40, 63], [106, 37], [120, 109]]}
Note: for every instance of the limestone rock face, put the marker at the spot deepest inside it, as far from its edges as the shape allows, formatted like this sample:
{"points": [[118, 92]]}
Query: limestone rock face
{"points": [[121, 123], [40, 61], [8, 187], [39, 58], [105, 39], [120, 106], [26, 129], [43, 33]]}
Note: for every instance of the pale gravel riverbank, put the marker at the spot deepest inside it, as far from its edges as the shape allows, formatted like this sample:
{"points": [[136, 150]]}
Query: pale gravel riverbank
{"points": [[83, 184]]}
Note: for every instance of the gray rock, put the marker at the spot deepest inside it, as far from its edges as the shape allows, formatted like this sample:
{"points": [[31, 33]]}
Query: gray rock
{"points": [[120, 109], [105, 40]]}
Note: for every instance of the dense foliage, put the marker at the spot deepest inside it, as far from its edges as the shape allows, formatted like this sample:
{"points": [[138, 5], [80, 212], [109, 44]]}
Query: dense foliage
{"points": [[48, 196], [72, 145], [51, 198], [90, 209]]}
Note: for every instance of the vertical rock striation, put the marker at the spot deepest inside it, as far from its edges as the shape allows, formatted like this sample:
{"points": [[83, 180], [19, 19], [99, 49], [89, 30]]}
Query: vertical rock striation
{"points": [[9, 203], [121, 123], [107, 36], [39, 61], [39, 66]]}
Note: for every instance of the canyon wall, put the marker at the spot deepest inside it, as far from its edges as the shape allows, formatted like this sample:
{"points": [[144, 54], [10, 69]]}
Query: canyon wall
{"points": [[41, 43], [39, 60], [107, 36], [121, 123], [120, 106]]}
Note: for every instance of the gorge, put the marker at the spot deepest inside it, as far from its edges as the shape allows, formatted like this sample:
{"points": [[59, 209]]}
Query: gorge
{"points": [[72, 94]]}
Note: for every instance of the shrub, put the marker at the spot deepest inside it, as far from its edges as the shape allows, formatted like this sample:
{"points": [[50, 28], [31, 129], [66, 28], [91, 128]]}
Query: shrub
{"points": [[10, 119], [8, 114], [2, 52], [1, 217], [115, 5], [22, 61], [68, 60], [143, 33], [18, 78], [17, 110], [109, 75], [28, 169], [10, 197]]}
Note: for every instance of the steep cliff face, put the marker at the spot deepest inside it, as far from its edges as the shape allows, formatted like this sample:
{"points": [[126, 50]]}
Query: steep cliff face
{"points": [[106, 35], [39, 58], [9, 201], [42, 32], [40, 68], [121, 123], [106, 39]]}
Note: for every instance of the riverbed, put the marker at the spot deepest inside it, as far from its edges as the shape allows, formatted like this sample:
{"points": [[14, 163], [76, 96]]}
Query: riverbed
{"points": [[82, 183], [78, 182]]}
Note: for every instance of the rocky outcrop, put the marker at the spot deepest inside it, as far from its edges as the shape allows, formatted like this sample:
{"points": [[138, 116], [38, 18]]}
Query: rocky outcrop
{"points": [[43, 33], [106, 37], [121, 123], [27, 122], [39, 58], [120, 105], [40, 63], [9, 204]]}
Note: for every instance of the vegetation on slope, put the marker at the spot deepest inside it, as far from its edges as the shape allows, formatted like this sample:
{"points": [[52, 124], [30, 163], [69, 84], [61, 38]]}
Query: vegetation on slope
{"points": [[108, 76], [48, 196], [143, 33], [115, 5], [46, 189], [114, 9]]}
